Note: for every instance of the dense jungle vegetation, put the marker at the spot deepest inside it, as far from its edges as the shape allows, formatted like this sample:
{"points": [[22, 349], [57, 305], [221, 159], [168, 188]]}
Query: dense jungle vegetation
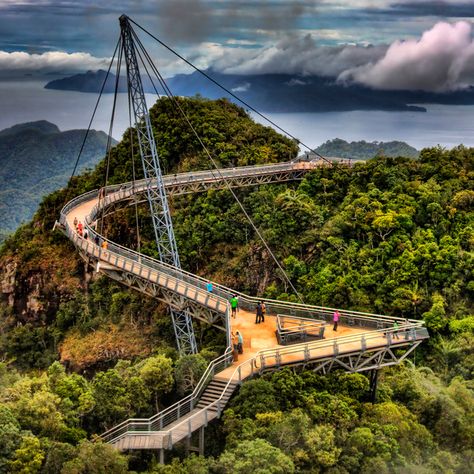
{"points": [[394, 235], [365, 150]]}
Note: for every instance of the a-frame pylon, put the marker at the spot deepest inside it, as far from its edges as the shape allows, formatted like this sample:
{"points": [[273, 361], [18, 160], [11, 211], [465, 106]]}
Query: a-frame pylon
{"points": [[157, 199]]}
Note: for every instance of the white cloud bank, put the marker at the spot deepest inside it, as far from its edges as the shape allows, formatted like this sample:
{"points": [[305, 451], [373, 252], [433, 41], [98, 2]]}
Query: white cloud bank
{"points": [[51, 61], [441, 60]]}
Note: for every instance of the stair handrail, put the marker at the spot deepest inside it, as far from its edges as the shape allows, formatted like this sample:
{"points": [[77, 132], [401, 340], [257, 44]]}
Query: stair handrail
{"points": [[302, 347]]}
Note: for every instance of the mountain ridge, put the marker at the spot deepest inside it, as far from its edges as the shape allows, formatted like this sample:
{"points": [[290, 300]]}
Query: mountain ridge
{"points": [[277, 92], [37, 158]]}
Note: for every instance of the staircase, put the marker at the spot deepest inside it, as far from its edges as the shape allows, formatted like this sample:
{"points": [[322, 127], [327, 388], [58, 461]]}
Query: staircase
{"points": [[215, 390], [209, 406]]}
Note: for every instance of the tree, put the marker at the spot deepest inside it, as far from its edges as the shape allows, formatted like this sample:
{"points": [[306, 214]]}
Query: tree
{"points": [[255, 396], [254, 457], [157, 374], [435, 318], [188, 372], [96, 458], [10, 437], [28, 457]]}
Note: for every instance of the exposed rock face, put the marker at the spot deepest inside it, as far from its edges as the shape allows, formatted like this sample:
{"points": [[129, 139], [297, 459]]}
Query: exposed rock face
{"points": [[7, 281], [33, 290]]}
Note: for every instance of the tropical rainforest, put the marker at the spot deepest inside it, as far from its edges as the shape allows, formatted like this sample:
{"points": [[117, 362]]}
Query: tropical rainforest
{"points": [[80, 353]]}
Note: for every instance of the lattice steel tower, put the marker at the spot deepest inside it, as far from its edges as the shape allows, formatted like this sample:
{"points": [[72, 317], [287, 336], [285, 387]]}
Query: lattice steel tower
{"points": [[160, 213]]}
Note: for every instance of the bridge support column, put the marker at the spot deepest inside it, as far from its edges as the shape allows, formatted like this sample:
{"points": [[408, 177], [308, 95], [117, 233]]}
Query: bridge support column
{"points": [[201, 441], [162, 456], [374, 375]]}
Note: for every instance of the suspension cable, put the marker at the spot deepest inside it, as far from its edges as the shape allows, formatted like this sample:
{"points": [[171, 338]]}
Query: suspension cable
{"points": [[103, 194], [133, 170], [95, 110], [229, 187], [214, 81]]}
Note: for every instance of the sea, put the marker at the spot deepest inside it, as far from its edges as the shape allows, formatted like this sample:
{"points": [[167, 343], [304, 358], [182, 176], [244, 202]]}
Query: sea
{"points": [[26, 100]]}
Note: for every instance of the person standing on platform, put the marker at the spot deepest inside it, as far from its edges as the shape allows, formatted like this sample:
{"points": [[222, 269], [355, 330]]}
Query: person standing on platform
{"points": [[335, 319], [264, 310], [209, 287], [258, 314], [234, 304], [240, 342], [396, 328]]}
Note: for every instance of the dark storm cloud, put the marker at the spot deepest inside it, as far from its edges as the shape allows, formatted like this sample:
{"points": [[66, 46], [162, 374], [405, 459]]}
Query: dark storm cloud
{"points": [[302, 56], [432, 8]]}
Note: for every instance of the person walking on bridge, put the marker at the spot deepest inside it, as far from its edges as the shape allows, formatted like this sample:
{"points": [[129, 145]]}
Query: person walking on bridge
{"points": [[258, 314], [240, 342], [234, 304], [335, 319]]}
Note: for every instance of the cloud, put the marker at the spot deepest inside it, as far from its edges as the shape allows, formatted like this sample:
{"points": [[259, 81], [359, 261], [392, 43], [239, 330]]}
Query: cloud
{"points": [[51, 61], [242, 87], [300, 56], [441, 60]]}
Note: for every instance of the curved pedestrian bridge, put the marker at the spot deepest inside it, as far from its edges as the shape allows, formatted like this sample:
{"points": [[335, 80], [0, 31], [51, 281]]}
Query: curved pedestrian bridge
{"points": [[362, 341]]}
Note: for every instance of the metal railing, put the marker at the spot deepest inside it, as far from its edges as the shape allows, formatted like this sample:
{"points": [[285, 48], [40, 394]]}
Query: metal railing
{"points": [[290, 329], [195, 288], [269, 359], [408, 332]]}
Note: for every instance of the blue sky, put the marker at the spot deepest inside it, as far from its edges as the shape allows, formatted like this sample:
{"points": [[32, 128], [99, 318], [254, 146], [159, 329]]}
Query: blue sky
{"points": [[328, 37]]}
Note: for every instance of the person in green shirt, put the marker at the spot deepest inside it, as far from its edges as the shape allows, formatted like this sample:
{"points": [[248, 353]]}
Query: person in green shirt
{"points": [[396, 327], [234, 304]]}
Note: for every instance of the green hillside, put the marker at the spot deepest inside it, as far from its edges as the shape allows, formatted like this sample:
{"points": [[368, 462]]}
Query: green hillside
{"points": [[35, 159], [365, 150], [394, 235]]}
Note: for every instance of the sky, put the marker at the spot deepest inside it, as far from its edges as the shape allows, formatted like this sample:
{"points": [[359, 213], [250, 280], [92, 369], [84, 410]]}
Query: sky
{"points": [[385, 44]]}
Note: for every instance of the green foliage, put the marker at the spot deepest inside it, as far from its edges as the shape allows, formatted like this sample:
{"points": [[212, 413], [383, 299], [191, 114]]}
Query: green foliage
{"points": [[256, 396], [188, 372], [96, 458], [28, 457], [365, 150], [256, 456]]}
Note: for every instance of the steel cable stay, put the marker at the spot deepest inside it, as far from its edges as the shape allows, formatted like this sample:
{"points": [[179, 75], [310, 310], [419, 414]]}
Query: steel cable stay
{"points": [[218, 84], [212, 160], [103, 193], [95, 110]]}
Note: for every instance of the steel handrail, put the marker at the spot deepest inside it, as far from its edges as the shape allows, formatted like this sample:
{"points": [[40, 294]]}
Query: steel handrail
{"points": [[252, 362], [115, 193], [229, 291]]}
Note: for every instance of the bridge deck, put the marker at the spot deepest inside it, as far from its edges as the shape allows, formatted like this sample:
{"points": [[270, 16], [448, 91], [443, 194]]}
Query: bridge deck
{"points": [[258, 337], [362, 342]]}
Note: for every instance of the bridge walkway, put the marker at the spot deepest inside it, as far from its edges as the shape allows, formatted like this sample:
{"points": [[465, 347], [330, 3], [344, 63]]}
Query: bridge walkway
{"points": [[363, 341]]}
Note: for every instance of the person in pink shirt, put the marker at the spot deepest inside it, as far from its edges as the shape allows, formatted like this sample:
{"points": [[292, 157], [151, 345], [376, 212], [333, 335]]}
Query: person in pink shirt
{"points": [[335, 319]]}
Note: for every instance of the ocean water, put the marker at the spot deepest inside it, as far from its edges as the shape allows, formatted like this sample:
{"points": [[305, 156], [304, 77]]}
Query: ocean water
{"points": [[26, 100]]}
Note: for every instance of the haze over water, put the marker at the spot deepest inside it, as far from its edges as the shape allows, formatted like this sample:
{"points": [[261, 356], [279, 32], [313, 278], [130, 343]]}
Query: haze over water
{"points": [[27, 100]]}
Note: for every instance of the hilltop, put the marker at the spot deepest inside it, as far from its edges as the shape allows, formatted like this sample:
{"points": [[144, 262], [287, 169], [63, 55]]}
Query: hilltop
{"points": [[365, 150], [36, 158]]}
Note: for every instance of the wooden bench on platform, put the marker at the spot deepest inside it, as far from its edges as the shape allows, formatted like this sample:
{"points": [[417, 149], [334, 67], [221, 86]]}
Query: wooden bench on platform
{"points": [[291, 329]]}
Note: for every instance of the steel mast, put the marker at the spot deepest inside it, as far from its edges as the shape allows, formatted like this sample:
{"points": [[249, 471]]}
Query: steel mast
{"points": [[156, 194]]}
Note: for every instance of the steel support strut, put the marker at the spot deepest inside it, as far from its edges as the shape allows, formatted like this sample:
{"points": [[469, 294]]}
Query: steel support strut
{"points": [[156, 194]]}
